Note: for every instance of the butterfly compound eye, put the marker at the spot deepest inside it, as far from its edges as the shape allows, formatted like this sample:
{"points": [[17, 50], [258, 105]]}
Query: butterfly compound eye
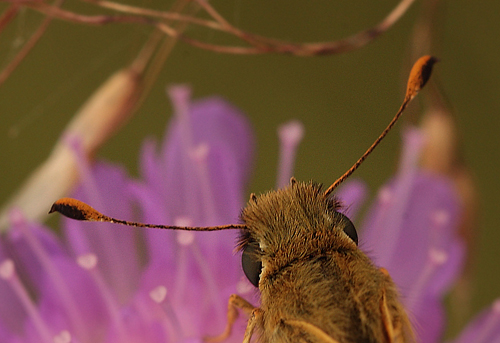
{"points": [[348, 226], [252, 266]]}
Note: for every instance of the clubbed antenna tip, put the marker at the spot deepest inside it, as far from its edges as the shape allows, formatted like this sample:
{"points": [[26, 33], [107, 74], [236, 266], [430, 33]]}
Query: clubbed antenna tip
{"points": [[419, 75], [76, 209]]}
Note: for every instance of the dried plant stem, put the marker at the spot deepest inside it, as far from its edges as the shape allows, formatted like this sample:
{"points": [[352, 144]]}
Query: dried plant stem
{"points": [[258, 44], [157, 61], [146, 12]]}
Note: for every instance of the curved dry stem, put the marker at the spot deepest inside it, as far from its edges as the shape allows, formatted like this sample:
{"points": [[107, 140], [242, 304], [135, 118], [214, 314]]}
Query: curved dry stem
{"points": [[257, 44], [266, 45], [86, 19], [146, 12]]}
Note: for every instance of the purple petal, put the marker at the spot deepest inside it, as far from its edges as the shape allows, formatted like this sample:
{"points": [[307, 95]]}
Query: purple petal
{"points": [[20, 248], [149, 164], [160, 243], [352, 195], [5, 334], [228, 137], [114, 245], [430, 326], [85, 296], [417, 232], [412, 232], [137, 329], [485, 328], [290, 135], [12, 315], [201, 178], [447, 274]]}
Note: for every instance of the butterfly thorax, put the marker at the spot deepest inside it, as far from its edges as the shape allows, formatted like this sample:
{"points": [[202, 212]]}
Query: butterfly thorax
{"points": [[313, 272]]}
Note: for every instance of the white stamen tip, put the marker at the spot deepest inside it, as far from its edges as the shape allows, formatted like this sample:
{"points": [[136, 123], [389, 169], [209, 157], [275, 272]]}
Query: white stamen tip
{"points": [[438, 257], [180, 96], [183, 91], [16, 216], [496, 306], [414, 136], [441, 217], [185, 238], [182, 221], [73, 141], [385, 195], [63, 337], [7, 269], [291, 132], [200, 152], [244, 287], [87, 261], [158, 294]]}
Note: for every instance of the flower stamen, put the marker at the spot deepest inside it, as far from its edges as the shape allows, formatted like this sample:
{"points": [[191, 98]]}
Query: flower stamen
{"points": [[182, 258], [63, 337], [180, 96], [413, 142], [158, 295], [199, 156], [85, 171], [89, 263], [439, 219], [93, 193], [202, 266], [68, 301], [290, 135], [208, 276], [435, 259], [8, 273]]}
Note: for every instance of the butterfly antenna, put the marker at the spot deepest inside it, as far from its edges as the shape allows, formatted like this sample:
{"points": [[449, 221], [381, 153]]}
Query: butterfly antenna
{"points": [[76, 209], [419, 75]]}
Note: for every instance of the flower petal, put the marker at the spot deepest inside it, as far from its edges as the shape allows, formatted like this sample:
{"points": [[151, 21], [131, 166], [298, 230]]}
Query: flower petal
{"points": [[114, 245], [485, 328], [352, 195]]}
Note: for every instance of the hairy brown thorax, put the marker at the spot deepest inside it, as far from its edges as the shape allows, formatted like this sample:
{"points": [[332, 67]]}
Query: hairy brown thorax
{"points": [[313, 271]]}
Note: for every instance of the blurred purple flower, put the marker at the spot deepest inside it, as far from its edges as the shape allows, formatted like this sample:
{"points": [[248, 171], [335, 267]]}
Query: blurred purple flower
{"points": [[485, 328], [95, 287], [110, 284], [417, 215]]}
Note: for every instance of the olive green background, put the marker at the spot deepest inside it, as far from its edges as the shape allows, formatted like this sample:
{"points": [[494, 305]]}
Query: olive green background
{"points": [[344, 101]]}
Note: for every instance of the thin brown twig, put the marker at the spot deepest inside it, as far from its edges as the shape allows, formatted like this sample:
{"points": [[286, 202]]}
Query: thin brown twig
{"points": [[220, 24], [262, 44], [259, 44], [175, 16], [252, 39], [62, 14], [157, 63], [309, 49], [108, 19]]}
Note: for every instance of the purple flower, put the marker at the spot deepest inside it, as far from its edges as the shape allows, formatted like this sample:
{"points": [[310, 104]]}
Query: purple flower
{"points": [[104, 283], [417, 214], [96, 286], [485, 328]]}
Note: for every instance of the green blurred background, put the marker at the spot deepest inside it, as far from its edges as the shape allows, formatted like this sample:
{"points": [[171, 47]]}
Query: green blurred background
{"points": [[344, 100]]}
